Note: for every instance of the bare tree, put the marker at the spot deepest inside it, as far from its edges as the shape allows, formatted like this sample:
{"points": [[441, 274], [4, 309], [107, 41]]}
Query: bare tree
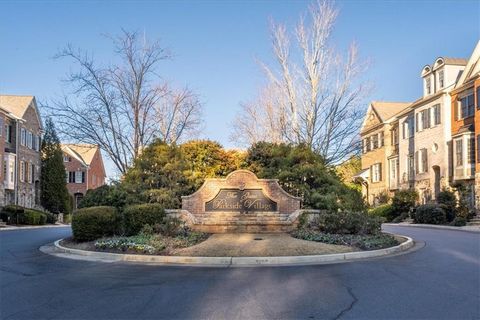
{"points": [[124, 106], [314, 96]]}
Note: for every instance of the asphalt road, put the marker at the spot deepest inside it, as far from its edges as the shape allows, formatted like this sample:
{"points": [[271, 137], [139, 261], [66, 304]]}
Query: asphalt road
{"points": [[439, 281]]}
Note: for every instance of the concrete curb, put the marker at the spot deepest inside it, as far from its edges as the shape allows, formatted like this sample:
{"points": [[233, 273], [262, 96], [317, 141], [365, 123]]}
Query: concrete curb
{"points": [[14, 228], [229, 261], [433, 226]]}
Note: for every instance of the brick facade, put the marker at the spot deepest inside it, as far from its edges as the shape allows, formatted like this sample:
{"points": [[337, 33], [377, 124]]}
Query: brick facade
{"points": [[84, 170], [281, 220], [20, 132]]}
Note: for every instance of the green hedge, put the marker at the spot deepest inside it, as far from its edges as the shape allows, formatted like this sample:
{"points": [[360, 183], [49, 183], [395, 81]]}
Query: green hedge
{"points": [[19, 215], [383, 211], [345, 223], [136, 216], [33, 217], [430, 214], [94, 223]]}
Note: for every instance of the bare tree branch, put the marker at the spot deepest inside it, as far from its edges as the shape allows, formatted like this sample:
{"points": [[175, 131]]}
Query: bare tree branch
{"points": [[314, 96], [124, 106]]}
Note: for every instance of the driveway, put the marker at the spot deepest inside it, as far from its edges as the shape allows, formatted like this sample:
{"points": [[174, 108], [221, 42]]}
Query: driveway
{"points": [[441, 280]]}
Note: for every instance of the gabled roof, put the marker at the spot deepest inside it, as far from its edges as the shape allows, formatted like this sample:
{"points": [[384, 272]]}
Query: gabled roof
{"points": [[454, 61], [472, 68], [386, 110], [18, 105], [82, 152]]}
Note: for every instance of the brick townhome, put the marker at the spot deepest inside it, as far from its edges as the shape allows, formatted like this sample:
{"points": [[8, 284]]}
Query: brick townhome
{"points": [[379, 135], [465, 103], [84, 169], [434, 141], [20, 141]]}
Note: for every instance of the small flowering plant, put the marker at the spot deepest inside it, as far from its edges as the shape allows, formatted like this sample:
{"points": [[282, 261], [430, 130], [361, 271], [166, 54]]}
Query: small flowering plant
{"points": [[124, 244]]}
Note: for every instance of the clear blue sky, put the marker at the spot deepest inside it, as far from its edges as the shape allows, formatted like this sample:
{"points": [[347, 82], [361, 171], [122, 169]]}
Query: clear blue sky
{"points": [[216, 43]]}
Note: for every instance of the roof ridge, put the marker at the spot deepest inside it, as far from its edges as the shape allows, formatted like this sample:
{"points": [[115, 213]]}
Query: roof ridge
{"points": [[16, 95]]}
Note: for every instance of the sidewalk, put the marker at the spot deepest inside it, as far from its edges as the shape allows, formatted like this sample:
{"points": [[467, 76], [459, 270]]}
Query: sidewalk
{"points": [[12, 228], [434, 226]]}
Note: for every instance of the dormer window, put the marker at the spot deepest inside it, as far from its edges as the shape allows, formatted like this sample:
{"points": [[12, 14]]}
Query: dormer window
{"points": [[441, 81], [428, 85]]}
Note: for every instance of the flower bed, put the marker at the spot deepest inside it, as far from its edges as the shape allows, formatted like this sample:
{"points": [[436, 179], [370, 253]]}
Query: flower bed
{"points": [[141, 244], [363, 242]]}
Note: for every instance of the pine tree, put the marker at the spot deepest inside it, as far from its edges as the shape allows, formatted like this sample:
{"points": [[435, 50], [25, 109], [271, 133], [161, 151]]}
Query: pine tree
{"points": [[54, 193]]}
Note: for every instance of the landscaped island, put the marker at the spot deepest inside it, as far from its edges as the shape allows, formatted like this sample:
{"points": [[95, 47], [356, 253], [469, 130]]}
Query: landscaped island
{"points": [[174, 198]]}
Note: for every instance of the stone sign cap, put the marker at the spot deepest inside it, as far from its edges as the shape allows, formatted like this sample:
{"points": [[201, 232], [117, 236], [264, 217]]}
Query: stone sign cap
{"points": [[240, 192]]}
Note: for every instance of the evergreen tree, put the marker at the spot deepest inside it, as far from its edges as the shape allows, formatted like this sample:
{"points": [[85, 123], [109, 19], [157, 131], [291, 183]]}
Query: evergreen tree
{"points": [[54, 193]]}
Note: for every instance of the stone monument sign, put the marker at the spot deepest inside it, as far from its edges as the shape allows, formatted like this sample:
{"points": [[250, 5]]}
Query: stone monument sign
{"points": [[240, 203]]}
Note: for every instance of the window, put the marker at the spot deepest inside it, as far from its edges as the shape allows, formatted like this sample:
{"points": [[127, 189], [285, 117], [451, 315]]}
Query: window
{"points": [[79, 177], [441, 82], [8, 133], [436, 115], [459, 152], [66, 158], [374, 140], [426, 119], [30, 140], [5, 170], [478, 97], [411, 127], [367, 142], [410, 166], [71, 177], [381, 142], [32, 173], [471, 150], [23, 137], [408, 127], [1, 125], [417, 122], [28, 172], [423, 154], [394, 136], [428, 85], [22, 171], [478, 148], [376, 171], [466, 107]]}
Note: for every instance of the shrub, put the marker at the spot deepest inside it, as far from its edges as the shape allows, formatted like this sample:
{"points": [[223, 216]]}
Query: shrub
{"points": [[106, 195], [346, 223], [430, 214], [403, 202], [459, 222], [51, 218], [67, 218], [11, 208], [364, 242], [137, 216], [401, 217], [33, 217], [384, 211], [14, 214], [448, 199], [94, 223], [382, 198]]}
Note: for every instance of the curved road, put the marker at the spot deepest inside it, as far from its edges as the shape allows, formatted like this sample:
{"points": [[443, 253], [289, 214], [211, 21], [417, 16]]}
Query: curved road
{"points": [[440, 280]]}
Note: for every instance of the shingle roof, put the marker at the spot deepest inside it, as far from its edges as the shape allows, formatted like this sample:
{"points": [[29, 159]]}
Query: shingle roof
{"points": [[455, 61], [386, 110], [83, 152], [17, 105]]}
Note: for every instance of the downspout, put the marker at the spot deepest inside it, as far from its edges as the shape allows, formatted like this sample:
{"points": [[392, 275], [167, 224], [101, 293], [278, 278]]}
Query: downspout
{"points": [[86, 178], [16, 161]]}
